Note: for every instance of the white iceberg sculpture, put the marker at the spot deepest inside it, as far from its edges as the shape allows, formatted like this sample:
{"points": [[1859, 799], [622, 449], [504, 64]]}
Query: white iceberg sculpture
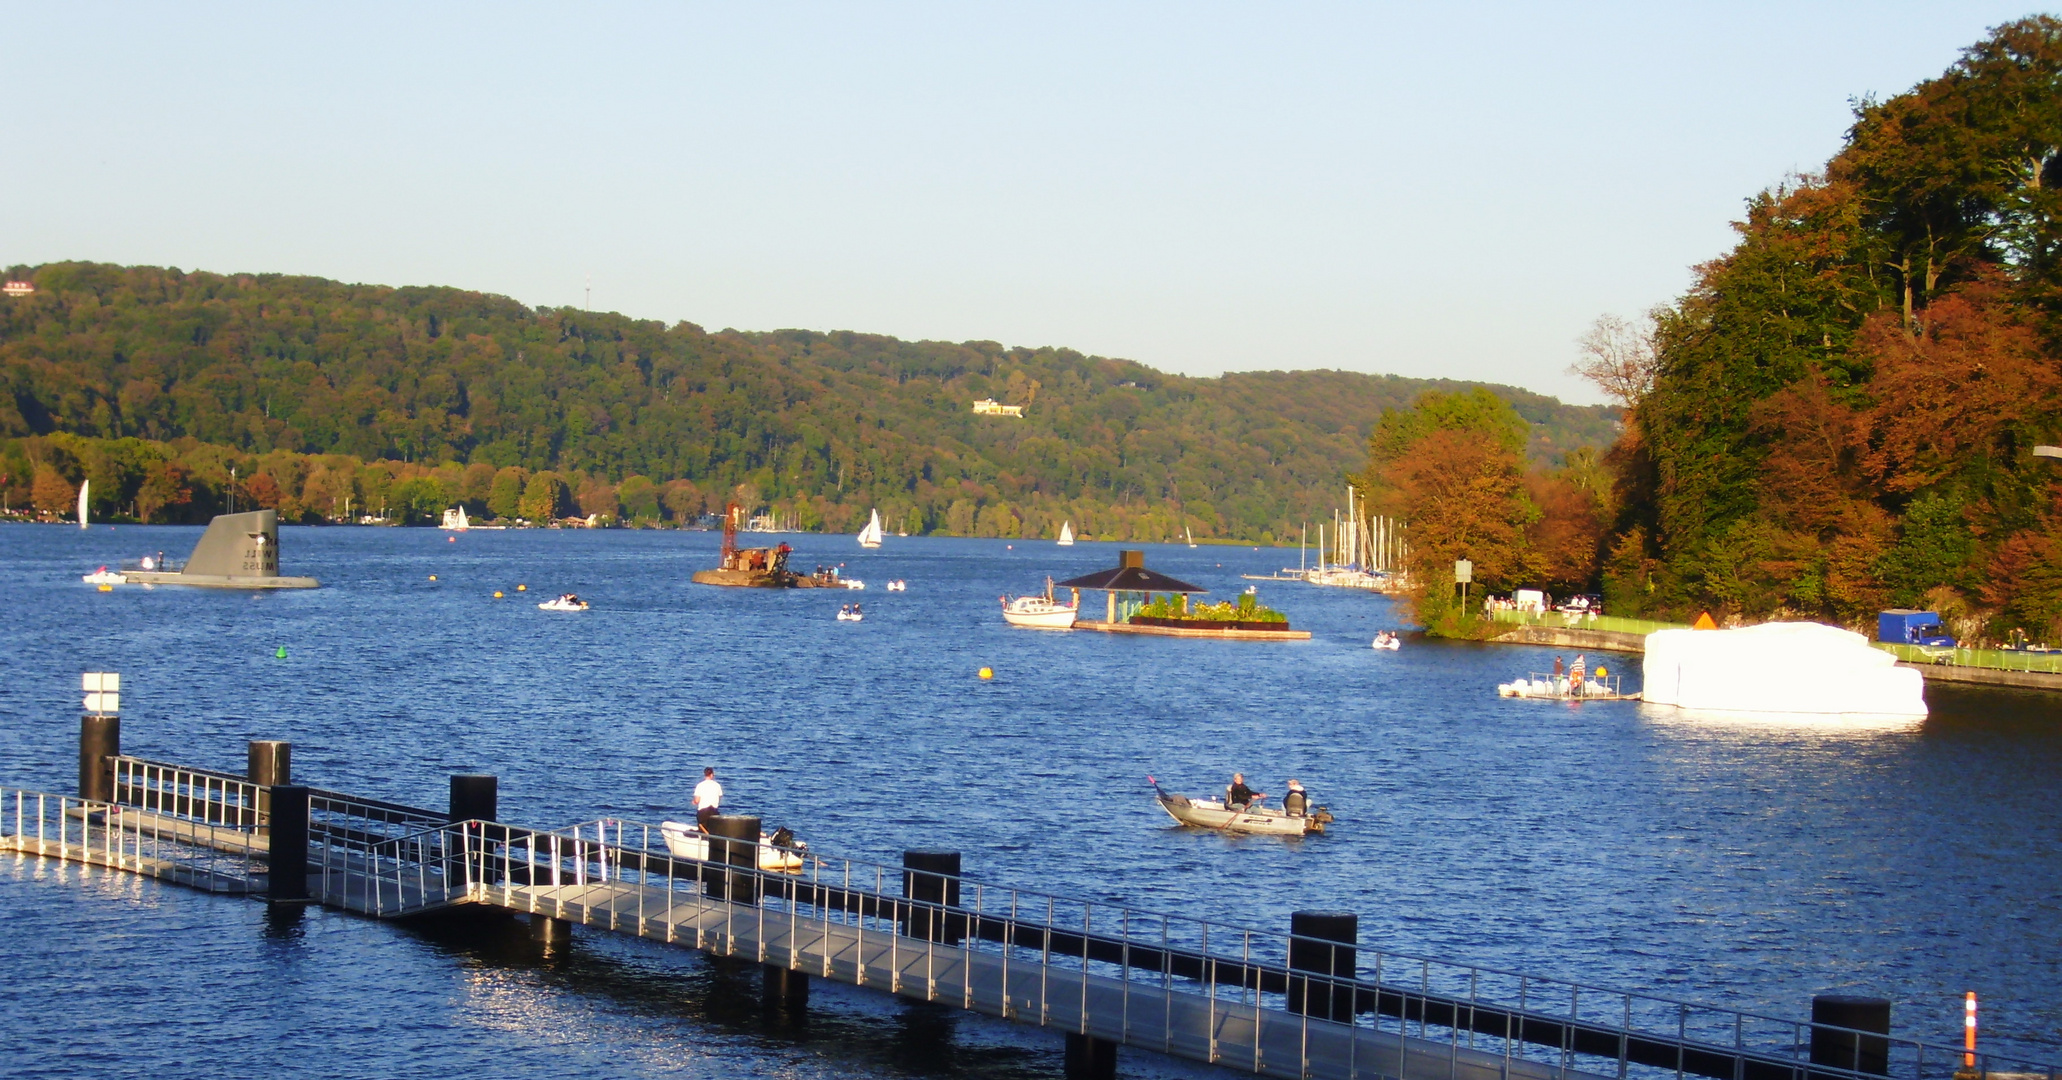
{"points": [[1779, 668]]}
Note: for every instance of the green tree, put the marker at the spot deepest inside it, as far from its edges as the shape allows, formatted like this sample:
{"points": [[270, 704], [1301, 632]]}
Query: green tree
{"points": [[505, 493], [544, 497]]}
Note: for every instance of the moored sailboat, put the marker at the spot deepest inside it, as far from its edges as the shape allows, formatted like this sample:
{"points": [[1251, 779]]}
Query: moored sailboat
{"points": [[870, 537], [1067, 534]]}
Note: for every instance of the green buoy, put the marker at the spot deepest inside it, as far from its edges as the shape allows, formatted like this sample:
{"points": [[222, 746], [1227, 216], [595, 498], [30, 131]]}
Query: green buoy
{"points": [[281, 654]]}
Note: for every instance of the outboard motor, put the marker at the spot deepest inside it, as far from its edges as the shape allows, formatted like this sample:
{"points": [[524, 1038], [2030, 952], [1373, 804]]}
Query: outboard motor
{"points": [[784, 839]]}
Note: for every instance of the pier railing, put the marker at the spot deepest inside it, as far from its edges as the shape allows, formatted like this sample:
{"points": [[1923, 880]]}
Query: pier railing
{"points": [[1557, 1024], [114, 835], [199, 795]]}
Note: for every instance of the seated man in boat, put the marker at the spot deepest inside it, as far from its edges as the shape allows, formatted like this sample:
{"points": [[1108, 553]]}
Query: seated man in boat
{"points": [[1237, 796], [1297, 802]]}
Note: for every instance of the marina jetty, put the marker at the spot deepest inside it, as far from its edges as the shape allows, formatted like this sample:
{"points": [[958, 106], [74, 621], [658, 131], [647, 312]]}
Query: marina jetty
{"points": [[754, 568], [1307, 1001], [1130, 607], [2023, 669], [239, 551]]}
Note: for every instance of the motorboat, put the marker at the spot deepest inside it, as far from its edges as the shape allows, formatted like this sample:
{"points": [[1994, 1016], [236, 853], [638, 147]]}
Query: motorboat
{"points": [[1067, 534], [777, 854], [103, 576], [1039, 612], [567, 602], [852, 583], [851, 614], [1209, 813], [898, 585], [1388, 640], [870, 537]]}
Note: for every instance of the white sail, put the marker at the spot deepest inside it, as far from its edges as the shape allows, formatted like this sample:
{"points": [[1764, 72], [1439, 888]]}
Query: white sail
{"points": [[83, 485], [1192, 536], [871, 535], [1067, 534]]}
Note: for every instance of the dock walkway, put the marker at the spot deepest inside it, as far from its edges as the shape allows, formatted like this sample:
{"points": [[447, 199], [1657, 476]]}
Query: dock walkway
{"points": [[1307, 1004]]}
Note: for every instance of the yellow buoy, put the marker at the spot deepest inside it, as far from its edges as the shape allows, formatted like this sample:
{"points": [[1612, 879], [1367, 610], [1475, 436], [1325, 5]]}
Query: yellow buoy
{"points": [[522, 588], [433, 577], [987, 673], [497, 594], [106, 587], [1602, 674]]}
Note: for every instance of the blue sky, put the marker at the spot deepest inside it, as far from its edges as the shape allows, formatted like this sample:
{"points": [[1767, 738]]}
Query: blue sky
{"points": [[1432, 190]]}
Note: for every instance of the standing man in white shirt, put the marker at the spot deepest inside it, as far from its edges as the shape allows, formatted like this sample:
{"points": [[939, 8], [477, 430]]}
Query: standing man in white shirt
{"points": [[708, 798]]}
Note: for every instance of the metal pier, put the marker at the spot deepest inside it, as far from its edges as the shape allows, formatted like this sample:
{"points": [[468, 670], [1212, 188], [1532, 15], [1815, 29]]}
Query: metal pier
{"points": [[1262, 1002]]}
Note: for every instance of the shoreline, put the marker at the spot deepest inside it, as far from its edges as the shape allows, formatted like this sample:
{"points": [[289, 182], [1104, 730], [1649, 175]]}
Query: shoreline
{"points": [[1568, 637]]}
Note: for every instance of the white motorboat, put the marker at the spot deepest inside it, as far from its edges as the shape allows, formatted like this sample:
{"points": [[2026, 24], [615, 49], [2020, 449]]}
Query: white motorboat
{"points": [[1067, 534], [103, 576], [898, 585], [1387, 640], [870, 537], [687, 841], [1262, 820], [852, 583], [849, 615], [568, 602], [1039, 612]]}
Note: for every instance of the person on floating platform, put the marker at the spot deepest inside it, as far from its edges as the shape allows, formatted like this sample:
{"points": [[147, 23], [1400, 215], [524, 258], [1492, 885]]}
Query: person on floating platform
{"points": [[708, 799], [1297, 802], [1577, 676], [1237, 796], [780, 557]]}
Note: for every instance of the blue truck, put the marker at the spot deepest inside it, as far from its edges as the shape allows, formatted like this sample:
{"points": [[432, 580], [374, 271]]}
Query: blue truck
{"points": [[1903, 626]]}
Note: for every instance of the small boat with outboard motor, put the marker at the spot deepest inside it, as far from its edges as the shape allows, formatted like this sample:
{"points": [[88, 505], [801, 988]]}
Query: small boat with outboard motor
{"points": [[1207, 813], [1389, 640], [898, 585], [851, 613], [103, 576], [566, 602], [779, 852]]}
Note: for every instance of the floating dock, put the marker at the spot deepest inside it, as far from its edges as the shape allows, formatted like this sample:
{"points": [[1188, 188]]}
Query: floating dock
{"points": [[1228, 634], [1310, 1003]]}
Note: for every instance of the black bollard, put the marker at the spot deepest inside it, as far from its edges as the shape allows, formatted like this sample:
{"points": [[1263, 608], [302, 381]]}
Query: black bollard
{"points": [[784, 989], [732, 872], [1090, 1058], [269, 763], [287, 858], [1322, 999], [1845, 1049], [474, 796], [931, 876], [100, 738]]}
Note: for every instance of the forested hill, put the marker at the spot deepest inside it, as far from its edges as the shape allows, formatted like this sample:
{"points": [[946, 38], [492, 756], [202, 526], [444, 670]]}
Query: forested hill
{"points": [[455, 388]]}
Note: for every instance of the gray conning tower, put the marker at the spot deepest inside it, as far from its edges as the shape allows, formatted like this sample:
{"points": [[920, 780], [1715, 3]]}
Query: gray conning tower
{"points": [[239, 551]]}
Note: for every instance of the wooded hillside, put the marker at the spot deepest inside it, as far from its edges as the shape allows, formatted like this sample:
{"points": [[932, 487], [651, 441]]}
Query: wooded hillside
{"points": [[333, 392]]}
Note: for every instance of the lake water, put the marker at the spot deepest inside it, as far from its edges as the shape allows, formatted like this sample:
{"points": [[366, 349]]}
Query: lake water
{"points": [[1744, 865]]}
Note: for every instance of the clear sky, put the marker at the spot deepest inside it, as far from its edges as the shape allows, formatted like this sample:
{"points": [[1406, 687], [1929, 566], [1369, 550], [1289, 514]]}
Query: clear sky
{"points": [[1434, 190]]}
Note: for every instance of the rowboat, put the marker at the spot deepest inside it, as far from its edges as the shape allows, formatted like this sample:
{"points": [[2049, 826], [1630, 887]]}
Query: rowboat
{"points": [[1259, 820]]}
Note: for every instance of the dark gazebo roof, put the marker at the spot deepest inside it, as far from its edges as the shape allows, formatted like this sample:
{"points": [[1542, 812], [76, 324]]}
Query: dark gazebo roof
{"points": [[1130, 575]]}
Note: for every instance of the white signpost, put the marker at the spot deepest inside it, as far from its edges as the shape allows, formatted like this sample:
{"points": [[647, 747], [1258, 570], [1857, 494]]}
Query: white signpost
{"points": [[103, 692]]}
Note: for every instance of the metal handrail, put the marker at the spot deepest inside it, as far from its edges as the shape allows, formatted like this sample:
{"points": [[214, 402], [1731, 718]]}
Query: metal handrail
{"points": [[200, 795], [1562, 1021], [111, 834]]}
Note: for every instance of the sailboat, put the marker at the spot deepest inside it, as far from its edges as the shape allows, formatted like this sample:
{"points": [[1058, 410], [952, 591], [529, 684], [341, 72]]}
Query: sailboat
{"points": [[870, 537], [1067, 534], [83, 485], [455, 520], [1192, 536]]}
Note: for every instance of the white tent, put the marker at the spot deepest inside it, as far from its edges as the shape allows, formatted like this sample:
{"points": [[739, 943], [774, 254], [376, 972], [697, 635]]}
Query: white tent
{"points": [[1779, 668]]}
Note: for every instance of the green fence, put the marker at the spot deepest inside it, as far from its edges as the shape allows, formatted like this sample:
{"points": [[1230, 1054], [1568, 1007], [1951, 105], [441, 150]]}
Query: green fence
{"points": [[1576, 621]]}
